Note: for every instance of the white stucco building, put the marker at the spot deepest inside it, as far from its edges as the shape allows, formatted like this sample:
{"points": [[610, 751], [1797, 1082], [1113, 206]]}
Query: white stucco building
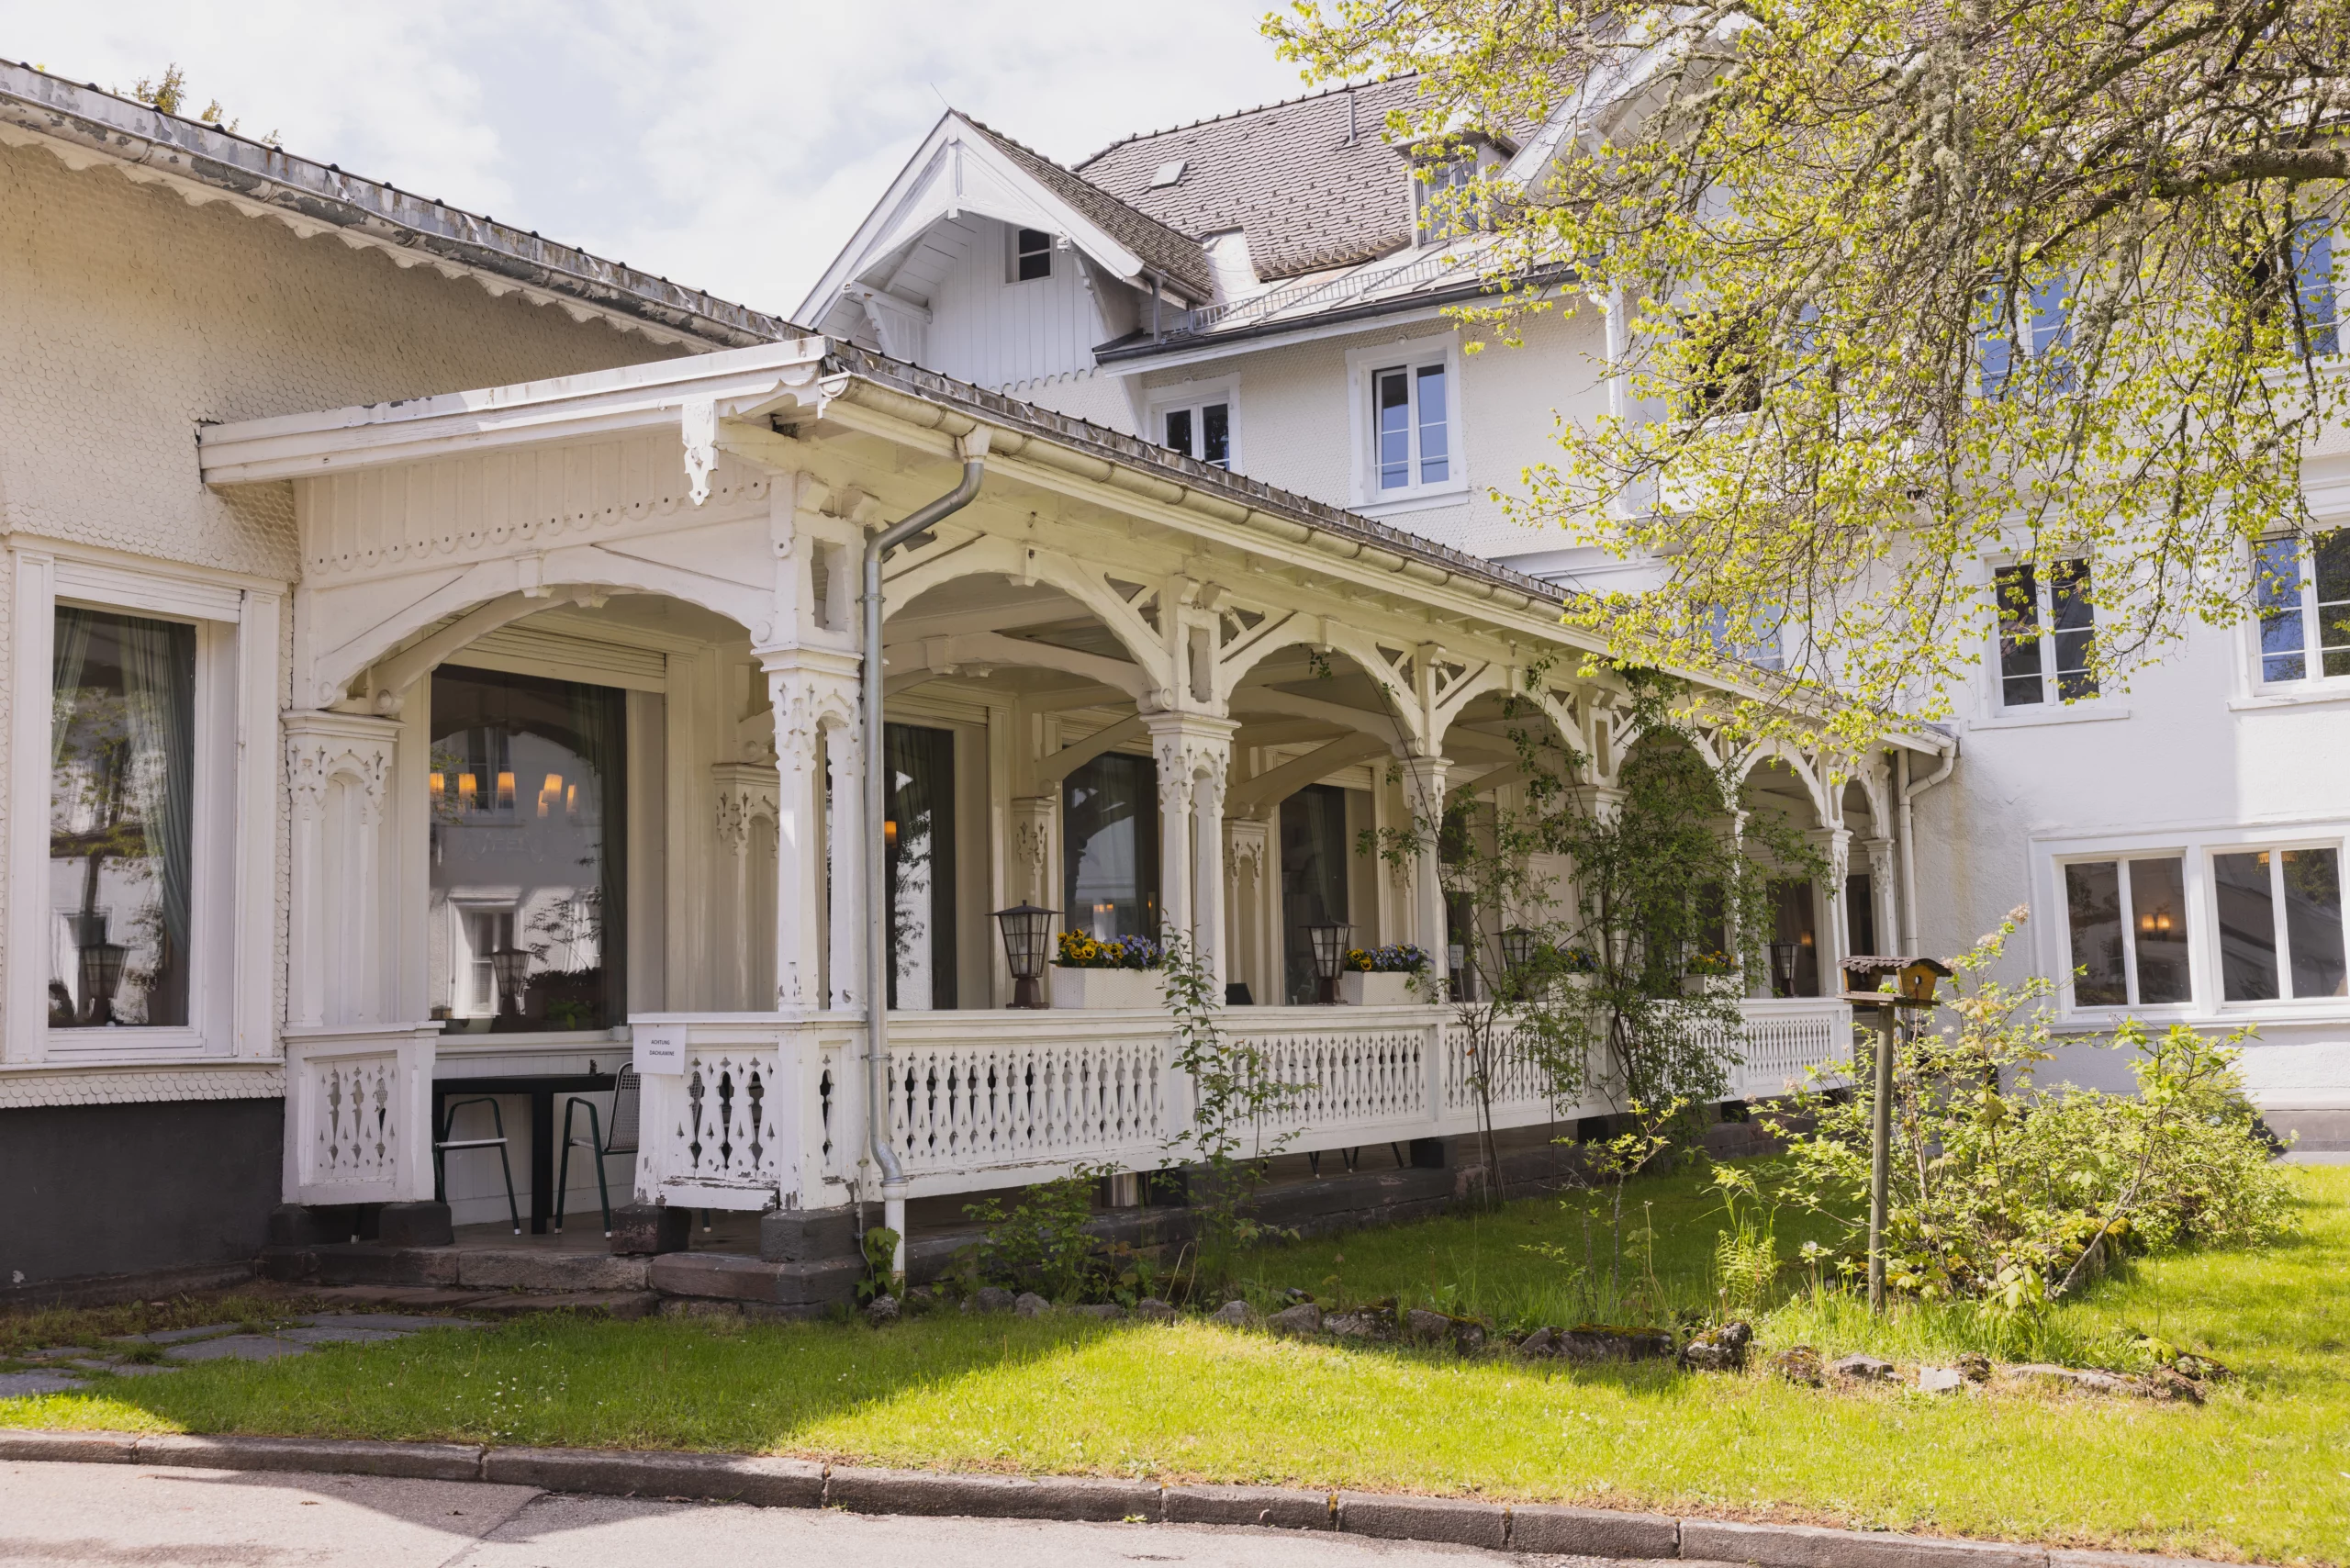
{"points": [[1260, 275], [433, 672]]}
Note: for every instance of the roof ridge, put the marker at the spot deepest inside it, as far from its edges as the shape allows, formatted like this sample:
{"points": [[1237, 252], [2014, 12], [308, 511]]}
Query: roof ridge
{"points": [[1237, 114]]}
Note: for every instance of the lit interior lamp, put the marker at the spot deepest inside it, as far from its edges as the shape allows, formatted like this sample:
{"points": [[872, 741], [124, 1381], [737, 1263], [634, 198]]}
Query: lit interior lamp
{"points": [[2157, 924], [1330, 941], [1105, 922], [440, 788], [571, 800], [468, 791], [551, 793], [1027, 934], [889, 832], [506, 791]]}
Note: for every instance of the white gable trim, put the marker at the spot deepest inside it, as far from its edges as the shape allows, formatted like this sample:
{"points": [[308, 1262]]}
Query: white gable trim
{"points": [[957, 171]]}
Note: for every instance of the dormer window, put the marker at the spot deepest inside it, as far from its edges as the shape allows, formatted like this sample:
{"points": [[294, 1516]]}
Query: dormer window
{"points": [[1032, 255], [1436, 189]]}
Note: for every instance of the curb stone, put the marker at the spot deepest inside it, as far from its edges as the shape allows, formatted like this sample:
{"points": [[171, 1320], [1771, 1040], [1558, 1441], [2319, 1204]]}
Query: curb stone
{"points": [[411, 1462], [715, 1477], [1533, 1527]]}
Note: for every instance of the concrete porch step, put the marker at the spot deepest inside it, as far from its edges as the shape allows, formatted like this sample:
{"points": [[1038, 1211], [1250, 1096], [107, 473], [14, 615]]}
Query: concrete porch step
{"points": [[472, 1269]]}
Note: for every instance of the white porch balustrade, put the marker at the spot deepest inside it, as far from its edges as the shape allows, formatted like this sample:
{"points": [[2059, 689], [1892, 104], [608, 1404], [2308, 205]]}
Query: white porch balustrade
{"points": [[769, 1111]]}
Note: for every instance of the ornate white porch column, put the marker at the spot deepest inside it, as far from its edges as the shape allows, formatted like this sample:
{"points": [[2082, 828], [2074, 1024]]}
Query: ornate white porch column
{"points": [[814, 693], [1035, 827], [1834, 846], [341, 939], [1247, 945], [1424, 795], [1194, 753], [746, 793], [1883, 896]]}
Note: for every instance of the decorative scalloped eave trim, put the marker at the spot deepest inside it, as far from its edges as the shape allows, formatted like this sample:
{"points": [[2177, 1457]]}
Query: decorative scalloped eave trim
{"points": [[30, 1088]]}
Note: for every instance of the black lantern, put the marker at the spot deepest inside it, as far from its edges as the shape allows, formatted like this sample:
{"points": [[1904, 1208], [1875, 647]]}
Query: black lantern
{"points": [[511, 966], [1518, 946], [99, 966], [1783, 968], [1027, 936], [1330, 941]]}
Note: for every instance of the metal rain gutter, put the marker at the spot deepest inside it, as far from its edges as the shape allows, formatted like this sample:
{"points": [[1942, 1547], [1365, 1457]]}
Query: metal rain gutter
{"points": [[875, 763]]}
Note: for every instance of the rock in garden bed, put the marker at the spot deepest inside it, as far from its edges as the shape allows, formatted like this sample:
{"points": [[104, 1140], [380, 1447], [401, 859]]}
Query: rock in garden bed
{"points": [[1719, 1349], [1604, 1342], [1800, 1364]]}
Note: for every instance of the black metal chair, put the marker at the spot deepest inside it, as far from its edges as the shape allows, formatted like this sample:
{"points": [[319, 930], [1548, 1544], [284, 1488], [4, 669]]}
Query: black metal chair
{"points": [[445, 1143], [626, 1101]]}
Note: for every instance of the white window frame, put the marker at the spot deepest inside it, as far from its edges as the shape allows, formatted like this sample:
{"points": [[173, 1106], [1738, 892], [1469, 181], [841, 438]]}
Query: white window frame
{"points": [[2195, 844], [1011, 253], [1363, 365], [2050, 705], [2276, 849], [2313, 680], [1196, 395], [233, 846], [2194, 896]]}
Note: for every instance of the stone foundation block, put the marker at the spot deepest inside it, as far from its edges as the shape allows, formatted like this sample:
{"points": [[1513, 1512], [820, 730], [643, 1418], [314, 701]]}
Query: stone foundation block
{"points": [[641, 1229]]}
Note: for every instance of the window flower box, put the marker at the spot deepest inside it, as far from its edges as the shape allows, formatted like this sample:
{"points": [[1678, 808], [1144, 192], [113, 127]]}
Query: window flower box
{"points": [[1107, 990], [1358, 988]]}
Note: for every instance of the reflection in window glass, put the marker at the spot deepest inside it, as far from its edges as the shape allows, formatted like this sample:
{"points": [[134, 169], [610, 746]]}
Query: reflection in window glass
{"points": [[2329, 578], [1392, 414], [2158, 903], [2019, 602], [2093, 909], [1313, 881], [918, 841], [1435, 462], [121, 803], [1110, 847], [2277, 590], [2312, 883], [1795, 936], [2073, 617], [528, 853], [2247, 928]]}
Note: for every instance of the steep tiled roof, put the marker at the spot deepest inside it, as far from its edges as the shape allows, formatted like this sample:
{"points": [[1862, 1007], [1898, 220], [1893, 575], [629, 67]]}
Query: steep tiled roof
{"points": [[1312, 180], [1164, 250]]}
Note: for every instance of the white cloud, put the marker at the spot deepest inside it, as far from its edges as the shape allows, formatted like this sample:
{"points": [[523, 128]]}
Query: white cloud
{"points": [[730, 148]]}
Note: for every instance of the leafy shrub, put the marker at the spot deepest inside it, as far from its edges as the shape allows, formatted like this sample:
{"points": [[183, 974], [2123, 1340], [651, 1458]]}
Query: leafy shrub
{"points": [[2010, 1194]]}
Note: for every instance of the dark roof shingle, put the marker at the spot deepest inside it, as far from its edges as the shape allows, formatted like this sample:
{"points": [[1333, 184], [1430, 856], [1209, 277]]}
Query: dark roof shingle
{"points": [[1312, 180]]}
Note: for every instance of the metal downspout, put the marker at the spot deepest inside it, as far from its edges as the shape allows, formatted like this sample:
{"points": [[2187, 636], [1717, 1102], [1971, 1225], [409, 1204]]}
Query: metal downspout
{"points": [[1912, 938], [876, 870]]}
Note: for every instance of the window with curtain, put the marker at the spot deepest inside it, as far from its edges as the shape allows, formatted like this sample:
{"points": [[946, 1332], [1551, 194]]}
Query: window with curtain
{"points": [[2280, 923], [121, 805], [529, 850], [918, 843], [1313, 881], [1110, 847]]}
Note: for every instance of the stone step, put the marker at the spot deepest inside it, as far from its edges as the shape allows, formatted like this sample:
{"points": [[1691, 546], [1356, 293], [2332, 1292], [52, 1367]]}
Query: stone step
{"points": [[464, 1270]]}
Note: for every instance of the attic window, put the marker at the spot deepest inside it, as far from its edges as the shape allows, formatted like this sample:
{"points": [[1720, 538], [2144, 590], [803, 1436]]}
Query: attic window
{"points": [[1169, 172], [1032, 255]]}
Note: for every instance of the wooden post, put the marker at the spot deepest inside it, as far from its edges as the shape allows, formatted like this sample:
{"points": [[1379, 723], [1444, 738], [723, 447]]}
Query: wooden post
{"points": [[1880, 1153]]}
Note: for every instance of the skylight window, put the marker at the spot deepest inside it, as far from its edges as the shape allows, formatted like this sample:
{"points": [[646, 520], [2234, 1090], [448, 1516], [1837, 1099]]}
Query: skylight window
{"points": [[1169, 174]]}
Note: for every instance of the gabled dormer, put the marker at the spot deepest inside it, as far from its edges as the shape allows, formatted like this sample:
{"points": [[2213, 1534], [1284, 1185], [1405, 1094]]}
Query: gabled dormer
{"points": [[988, 262]]}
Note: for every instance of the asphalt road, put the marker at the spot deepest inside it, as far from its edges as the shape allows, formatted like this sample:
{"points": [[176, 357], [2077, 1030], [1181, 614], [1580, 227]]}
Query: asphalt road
{"points": [[166, 1516]]}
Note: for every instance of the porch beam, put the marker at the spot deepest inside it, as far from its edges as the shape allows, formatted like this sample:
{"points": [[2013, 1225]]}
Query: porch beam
{"points": [[1265, 699], [1269, 788], [1051, 770]]}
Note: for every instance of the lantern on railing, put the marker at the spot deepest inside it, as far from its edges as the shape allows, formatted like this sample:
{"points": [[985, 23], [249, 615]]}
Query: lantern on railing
{"points": [[1519, 949], [1028, 938], [1783, 968], [1330, 940], [98, 966], [511, 968]]}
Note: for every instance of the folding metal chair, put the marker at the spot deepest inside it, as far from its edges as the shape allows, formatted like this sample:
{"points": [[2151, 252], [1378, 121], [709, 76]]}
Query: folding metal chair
{"points": [[444, 1144], [625, 1103]]}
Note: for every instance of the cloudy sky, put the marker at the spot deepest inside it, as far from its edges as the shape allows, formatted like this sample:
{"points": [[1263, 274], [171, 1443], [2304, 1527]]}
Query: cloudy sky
{"points": [[730, 147]]}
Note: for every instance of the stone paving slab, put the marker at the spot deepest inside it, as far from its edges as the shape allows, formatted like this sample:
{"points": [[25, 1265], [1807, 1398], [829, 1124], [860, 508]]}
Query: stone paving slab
{"points": [[128, 1368], [59, 1353], [173, 1336], [18, 1385], [236, 1348]]}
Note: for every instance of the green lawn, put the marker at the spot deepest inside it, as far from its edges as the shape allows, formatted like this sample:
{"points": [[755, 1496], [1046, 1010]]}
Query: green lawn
{"points": [[2262, 1471]]}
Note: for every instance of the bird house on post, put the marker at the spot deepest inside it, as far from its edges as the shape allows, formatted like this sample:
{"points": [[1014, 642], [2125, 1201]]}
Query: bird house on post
{"points": [[1913, 980]]}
